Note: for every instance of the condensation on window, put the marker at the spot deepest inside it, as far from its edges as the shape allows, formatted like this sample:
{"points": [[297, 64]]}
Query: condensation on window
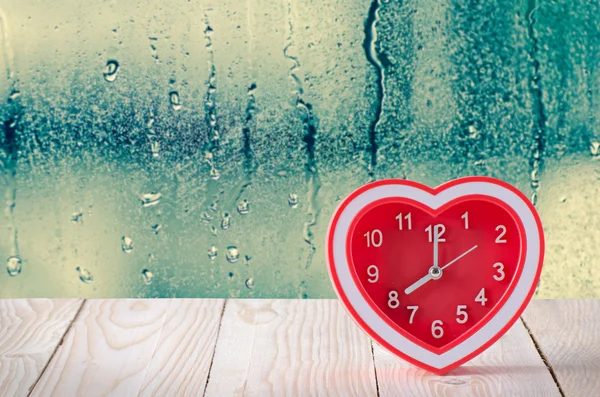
{"points": [[198, 149]]}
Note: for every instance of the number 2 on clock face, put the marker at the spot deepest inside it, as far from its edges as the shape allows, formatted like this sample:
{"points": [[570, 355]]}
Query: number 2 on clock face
{"points": [[435, 275]]}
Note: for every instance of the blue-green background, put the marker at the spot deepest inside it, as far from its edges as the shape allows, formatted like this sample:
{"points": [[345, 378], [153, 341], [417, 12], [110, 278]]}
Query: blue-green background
{"points": [[304, 98]]}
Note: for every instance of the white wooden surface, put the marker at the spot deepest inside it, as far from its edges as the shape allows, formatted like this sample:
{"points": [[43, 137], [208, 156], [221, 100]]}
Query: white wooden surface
{"points": [[290, 347], [568, 335], [272, 347], [135, 347], [30, 331], [510, 367]]}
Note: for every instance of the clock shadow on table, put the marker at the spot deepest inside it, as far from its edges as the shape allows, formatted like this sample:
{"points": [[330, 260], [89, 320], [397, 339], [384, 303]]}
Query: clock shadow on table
{"points": [[491, 370], [453, 377]]}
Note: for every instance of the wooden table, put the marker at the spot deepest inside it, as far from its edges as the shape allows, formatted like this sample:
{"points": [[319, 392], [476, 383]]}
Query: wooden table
{"points": [[202, 347]]}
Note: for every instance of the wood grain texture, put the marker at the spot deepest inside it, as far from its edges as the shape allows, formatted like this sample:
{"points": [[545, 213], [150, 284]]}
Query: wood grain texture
{"points": [[510, 367], [566, 332], [135, 347], [30, 330], [290, 347]]}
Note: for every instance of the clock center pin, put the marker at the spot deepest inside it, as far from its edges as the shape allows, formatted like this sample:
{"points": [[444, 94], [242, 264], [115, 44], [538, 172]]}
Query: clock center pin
{"points": [[435, 272]]}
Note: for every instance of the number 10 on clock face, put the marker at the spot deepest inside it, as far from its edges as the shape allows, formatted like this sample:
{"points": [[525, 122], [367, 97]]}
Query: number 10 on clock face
{"points": [[434, 275]]}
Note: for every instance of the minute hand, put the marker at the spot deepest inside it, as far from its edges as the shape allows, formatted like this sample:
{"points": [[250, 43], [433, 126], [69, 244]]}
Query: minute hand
{"points": [[426, 278]]}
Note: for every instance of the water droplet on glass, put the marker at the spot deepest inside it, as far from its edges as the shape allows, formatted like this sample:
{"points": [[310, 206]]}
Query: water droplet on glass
{"points": [[85, 275], [14, 265], [76, 216], [212, 252], [473, 133], [147, 276], [214, 206], [232, 254], [151, 199], [14, 95], [562, 199], [174, 98], [208, 157], [534, 198], [595, 148], [126, 244], [155, 148], [213, 230], [250, 283], [247, 259], [214, 173], [535, 182], [243, 207], [225, 221], [110, 70], [205, 216], [293, 200], [150, 122], [156, 228]]}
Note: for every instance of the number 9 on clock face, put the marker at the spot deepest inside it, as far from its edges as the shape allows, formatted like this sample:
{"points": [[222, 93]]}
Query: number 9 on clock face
{"points": [[434, 275]]}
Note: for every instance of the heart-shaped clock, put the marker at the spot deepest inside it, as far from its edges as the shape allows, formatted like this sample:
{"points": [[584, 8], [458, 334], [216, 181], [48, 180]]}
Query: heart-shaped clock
{"points": [[435, 275]]}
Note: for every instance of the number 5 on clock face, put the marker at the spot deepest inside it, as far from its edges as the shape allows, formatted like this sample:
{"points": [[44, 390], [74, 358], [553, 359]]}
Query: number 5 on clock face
{"points": [[436, 275]]}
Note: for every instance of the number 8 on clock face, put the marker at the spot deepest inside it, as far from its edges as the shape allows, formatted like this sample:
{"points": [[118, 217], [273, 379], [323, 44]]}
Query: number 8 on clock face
{"points": [[438, 275]]}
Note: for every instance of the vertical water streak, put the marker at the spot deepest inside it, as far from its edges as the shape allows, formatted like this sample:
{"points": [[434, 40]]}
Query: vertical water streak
{"points": [[210, 104], [539, 117], [249, 122], [370, 47], [310, 127], [8, 140]]}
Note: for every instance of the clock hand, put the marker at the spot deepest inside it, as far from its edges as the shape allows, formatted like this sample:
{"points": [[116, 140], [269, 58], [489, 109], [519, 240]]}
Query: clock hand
{"points": [[435, 248], [428, 277], [418, 284], [458, 257]]}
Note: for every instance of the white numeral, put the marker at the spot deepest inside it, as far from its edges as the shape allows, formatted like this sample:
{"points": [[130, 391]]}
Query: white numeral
{"points": [[500, 269], [436, 330], [460, 311], [408, 221], [481, 297], [466, 218], [437, 230], [374, 238], [412, 315], [393, 302], [499, 239], [373, 272]]}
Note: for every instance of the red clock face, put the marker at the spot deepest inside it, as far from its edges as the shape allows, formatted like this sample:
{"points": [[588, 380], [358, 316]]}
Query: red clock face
{"points": [[434, 275]]}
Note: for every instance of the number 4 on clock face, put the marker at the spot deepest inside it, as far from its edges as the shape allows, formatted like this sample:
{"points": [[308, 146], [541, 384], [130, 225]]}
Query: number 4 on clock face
{"points": [[434, 275]]}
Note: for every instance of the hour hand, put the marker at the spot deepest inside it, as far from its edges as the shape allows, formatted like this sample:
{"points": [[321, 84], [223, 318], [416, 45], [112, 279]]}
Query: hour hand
{"points": [[417, 284]]}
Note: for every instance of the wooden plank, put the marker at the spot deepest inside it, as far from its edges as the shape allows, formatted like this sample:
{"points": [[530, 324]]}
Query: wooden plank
{"points": [[566, 332], [510, 367], [30, 330], [131, 347], [290, 347]]}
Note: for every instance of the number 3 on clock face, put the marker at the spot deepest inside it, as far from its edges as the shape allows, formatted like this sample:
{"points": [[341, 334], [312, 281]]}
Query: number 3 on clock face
{"points": [[435, 275]]}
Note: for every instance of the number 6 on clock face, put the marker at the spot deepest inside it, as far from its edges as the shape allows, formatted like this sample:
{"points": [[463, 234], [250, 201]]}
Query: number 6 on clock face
{"points": [[435, 266]]}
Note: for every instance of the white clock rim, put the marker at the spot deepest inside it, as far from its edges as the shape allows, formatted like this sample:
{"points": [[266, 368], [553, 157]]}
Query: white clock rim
{"points": [[434, 201]]}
